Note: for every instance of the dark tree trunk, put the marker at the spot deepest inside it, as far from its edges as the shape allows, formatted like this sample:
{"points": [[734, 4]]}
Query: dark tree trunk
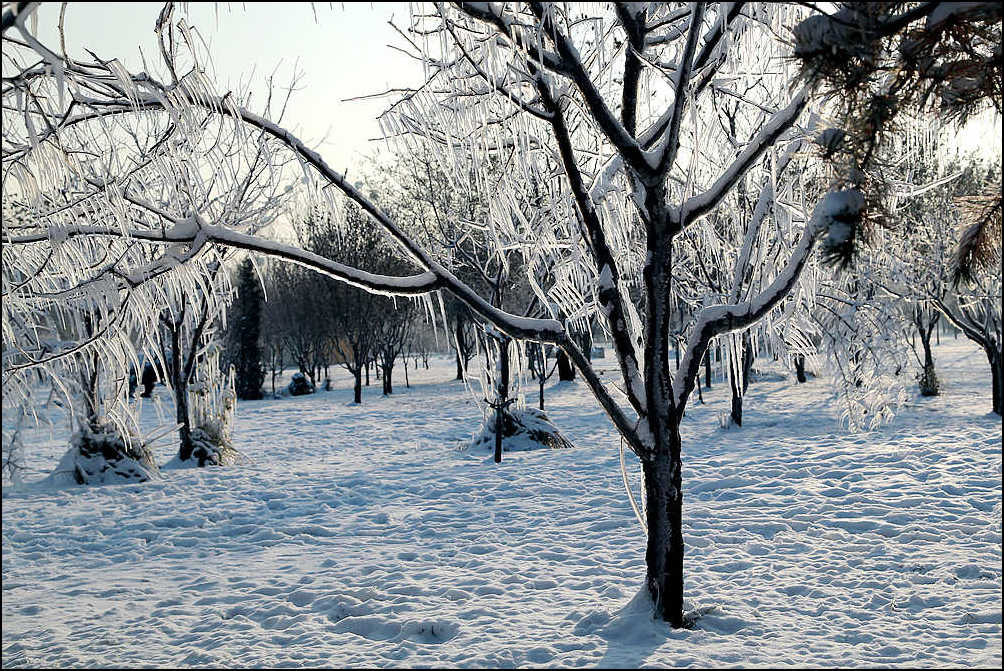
{"points": [[181, 397], [662, 468], [502, 397], [707, 367], [367, 373], [800, 368], [928, 356], [566, 372], [736, 386], [664, 513], [357, 385], [407, 383], [737, 406], [585, 342], [739, 386], [928, 378], [997, 375], [273, 381], [747, 361], [461, 348], [388, 373]]}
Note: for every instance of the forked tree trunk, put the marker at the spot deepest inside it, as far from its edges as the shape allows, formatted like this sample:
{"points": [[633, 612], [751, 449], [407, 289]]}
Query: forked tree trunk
{"points": [[928, 380], [664, 517], [357, 385], [388, 374], [925, 328], [928, 356]]}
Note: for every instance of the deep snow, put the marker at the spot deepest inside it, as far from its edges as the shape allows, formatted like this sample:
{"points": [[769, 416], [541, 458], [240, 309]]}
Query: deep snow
{"points": [[361, 536]]}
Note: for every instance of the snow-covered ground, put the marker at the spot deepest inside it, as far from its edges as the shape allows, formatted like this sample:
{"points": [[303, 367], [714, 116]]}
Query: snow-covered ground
{"points": [[361, 536]]}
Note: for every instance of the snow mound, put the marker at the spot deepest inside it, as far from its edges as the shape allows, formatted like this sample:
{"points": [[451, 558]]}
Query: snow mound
{"points": [[522, 430], [101, 456], [300, 385], [207, 450]]}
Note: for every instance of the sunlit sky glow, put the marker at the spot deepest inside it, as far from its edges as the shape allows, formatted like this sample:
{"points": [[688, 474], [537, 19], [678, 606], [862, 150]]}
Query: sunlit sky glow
{"points": [[342, 54], [340, 51]]}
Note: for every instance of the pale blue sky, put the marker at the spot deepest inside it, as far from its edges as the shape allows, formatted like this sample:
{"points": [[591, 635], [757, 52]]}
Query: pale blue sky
{"points": [[342, 54]]}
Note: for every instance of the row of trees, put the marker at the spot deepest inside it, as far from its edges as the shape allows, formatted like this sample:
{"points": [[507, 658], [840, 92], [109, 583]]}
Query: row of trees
{"points": [[317, 322]]}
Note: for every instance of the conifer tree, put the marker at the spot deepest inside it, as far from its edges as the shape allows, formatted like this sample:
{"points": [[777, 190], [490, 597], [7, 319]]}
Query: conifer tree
{"points": [[246, 357]]}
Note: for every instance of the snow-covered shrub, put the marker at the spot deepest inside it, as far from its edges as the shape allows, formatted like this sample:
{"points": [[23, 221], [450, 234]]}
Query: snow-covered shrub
{"points": [[102, 454], [523, 429], [214, 403], [299, 385]]}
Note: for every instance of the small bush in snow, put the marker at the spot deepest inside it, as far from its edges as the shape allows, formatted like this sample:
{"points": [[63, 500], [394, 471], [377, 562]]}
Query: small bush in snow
{"points": [[522, 430], [101, 455], [299, 385]]}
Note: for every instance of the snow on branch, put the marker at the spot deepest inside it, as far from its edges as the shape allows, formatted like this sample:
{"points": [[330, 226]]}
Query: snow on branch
{"points": [[719, 319], [700, 204]]}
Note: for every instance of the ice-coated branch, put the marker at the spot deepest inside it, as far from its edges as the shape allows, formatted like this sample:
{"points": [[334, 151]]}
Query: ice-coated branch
{"points": [[572, 67], [760, 210], [632, 18], [199, 234], [493, 15], [696, 206], [507, 94], [10, 15], [669, 143], [719, 319], [608, 292]]}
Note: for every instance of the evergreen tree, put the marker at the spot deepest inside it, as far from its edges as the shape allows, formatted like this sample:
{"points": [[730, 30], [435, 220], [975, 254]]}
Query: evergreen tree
{"points": [[246, 352]]}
